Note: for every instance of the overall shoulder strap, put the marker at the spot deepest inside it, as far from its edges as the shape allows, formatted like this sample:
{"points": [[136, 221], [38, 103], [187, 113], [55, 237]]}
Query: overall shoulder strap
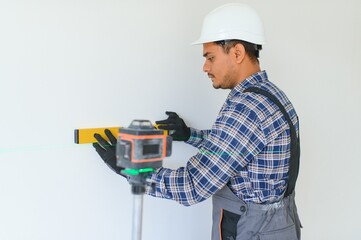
{"points": [[295, 141]]}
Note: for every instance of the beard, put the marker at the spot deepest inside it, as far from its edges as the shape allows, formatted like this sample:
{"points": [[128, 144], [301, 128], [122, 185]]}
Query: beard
{"points": [[228, 82]]}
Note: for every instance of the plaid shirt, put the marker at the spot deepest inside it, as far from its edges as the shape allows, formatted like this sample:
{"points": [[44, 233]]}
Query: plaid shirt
{"points": [[248, 149]]}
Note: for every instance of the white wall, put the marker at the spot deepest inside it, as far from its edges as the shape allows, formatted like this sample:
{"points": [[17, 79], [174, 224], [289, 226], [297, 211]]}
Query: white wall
{"points": [[76, 64]]}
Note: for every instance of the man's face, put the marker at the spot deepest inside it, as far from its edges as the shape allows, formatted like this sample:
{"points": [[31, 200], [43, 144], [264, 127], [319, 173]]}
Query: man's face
{"points": [[219, 66]]}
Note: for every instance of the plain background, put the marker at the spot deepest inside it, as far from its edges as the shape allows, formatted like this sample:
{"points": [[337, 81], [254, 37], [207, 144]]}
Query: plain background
{"points": [[97, 63]]}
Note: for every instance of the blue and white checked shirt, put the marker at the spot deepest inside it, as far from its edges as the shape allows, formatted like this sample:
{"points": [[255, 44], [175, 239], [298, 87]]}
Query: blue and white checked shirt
{"points": [[248, 148]]}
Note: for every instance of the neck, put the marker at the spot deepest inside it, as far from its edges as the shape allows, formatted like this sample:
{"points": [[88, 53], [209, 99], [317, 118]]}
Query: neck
{"points": [[247, 69]]}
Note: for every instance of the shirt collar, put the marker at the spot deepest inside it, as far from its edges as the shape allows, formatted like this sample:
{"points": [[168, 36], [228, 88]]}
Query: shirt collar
{"points": [[252, 80]]}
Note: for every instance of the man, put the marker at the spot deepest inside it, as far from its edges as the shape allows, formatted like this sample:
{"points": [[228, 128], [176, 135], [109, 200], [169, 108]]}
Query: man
{"points": [[244, 160]]}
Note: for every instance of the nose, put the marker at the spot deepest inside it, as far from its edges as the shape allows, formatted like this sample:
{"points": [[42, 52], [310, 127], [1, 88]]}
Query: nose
{"points": [[205, 67]]}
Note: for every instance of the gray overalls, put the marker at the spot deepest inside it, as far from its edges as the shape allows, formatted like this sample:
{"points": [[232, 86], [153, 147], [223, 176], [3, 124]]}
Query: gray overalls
{"points": [[234, 219]]}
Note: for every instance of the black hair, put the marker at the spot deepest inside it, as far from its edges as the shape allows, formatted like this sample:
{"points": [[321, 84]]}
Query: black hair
{"points": [[252, 50]]}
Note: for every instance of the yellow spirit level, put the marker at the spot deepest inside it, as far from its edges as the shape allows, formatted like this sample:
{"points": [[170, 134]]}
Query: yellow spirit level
{"points": [[86, 135]]}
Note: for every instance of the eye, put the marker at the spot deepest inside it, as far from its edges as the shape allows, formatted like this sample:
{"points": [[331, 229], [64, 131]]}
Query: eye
{"points": [[211, 58]]}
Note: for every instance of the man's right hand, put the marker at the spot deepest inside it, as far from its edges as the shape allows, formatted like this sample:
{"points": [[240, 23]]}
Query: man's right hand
{"points": [[106, 150], [175, 125]]}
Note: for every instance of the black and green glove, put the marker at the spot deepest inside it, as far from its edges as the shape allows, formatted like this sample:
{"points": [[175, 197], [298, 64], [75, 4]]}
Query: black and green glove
{"points": [[106, 150], [175, 125]]}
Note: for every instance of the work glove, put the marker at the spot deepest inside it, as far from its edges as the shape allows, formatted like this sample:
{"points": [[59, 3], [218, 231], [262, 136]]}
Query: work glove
{"points": [[178, 130], [106, 150]]}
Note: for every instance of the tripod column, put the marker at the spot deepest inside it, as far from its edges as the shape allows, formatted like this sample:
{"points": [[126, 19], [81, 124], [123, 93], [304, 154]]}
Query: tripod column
{"points": [[138, 194]]}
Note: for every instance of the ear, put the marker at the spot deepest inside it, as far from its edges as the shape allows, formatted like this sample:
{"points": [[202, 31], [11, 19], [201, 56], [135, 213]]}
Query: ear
{"points": [[240, 52]]}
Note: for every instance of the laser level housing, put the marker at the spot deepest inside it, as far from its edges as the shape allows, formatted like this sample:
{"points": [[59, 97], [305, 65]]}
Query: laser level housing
{"points": [[141, 146]]}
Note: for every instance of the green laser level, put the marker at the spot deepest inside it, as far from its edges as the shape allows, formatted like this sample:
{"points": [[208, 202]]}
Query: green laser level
{"points": [[142, 146], [141, 149]]}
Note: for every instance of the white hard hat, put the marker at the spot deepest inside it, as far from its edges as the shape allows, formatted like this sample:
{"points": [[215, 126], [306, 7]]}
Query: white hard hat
{"points": [[232, 21]]}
